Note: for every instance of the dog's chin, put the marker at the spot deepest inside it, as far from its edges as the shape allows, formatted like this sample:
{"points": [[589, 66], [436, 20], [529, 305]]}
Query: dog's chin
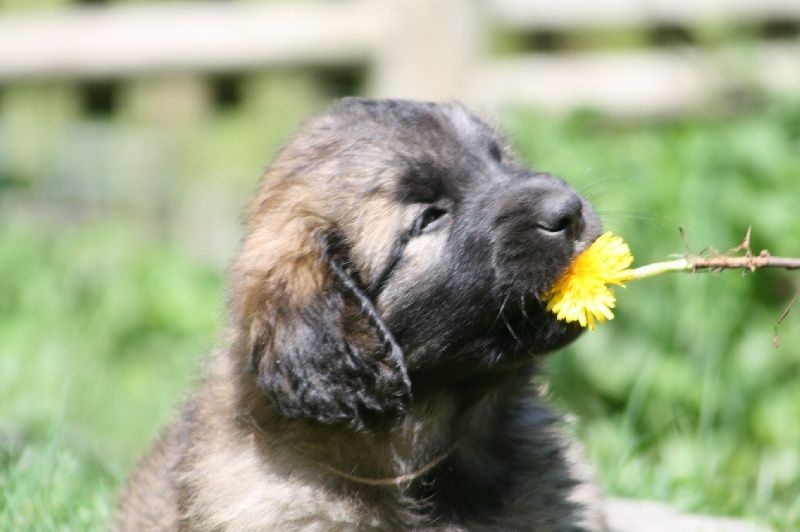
{"points": [[558, 334], [536, 331], [514, 342]]}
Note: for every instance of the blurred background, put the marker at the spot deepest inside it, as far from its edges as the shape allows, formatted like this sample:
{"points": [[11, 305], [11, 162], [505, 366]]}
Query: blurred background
{"points": [[132, 134]]}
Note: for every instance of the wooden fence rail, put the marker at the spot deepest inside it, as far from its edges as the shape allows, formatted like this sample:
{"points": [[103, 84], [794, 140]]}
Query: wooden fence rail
{"points": [[133, 40], [570, 14]]}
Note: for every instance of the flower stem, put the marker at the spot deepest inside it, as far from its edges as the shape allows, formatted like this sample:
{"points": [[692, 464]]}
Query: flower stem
{"points": [[657, 268]]}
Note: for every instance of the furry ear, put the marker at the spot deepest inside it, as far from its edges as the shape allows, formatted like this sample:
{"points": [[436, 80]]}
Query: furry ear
{"points": [[327, 355]]}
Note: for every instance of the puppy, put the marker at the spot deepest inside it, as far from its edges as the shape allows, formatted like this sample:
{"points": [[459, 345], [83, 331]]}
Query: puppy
{"points": [[385, 328]]}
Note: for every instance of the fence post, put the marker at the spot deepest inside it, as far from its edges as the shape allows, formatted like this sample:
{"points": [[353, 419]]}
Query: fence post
{"points": [[428, 50]]}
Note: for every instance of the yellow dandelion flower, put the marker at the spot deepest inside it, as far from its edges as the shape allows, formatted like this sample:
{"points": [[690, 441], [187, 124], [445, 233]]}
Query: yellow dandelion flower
{"points": [[582, 294]]}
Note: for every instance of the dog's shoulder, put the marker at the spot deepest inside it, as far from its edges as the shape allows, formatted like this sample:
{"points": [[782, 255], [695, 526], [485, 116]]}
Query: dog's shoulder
{"points": [[231, 474], [150, 500]]}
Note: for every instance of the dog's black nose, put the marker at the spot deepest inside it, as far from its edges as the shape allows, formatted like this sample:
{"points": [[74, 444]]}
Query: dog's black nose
{"points": [[561, 212]]}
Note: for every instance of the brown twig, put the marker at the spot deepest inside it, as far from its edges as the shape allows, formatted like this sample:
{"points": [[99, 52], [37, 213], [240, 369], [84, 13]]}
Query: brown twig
{"points": [[776, 341], [728, 260], [718, 262], [748, 262], [685, 240]]}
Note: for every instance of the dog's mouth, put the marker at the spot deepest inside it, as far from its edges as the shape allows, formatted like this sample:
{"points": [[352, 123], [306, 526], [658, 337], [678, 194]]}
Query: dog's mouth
{"points": [[537, 329], [525, 318], [543, 292]]}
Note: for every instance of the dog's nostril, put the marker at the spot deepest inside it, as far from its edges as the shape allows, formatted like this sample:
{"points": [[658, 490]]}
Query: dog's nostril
{"points": [[562, 213], [564, 223]]}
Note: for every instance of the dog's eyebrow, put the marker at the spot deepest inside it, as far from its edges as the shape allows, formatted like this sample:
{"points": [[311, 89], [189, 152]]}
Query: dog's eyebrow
{"points": [[422, 182]]}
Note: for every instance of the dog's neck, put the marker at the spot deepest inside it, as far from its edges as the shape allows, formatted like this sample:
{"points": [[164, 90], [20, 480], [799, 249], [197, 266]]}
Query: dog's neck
{"points": [[454, 446], [396, 455], [438, 424], [397, 480]]}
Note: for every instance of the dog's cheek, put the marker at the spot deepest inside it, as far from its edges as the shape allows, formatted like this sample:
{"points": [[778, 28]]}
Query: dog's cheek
{"points": [[531, 269], [423, 261]]}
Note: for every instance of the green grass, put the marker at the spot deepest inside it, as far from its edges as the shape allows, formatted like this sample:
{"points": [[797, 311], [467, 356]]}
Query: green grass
{"points": [[681, 398], [100, 336]]}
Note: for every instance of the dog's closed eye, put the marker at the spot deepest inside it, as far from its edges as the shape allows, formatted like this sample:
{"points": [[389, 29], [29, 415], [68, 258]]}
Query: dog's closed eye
{"points": [[425, 222]]}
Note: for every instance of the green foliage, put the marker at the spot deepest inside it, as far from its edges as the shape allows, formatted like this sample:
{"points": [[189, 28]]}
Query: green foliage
{"points": [[101, 333], [681, 398]]}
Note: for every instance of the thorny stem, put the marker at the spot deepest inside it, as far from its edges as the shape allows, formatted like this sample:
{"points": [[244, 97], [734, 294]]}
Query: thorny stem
{"points": [[722, 262], [692, 263]]}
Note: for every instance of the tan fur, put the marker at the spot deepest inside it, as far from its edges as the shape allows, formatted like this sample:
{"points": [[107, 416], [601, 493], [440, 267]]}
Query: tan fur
{"points": [[226, 474]]}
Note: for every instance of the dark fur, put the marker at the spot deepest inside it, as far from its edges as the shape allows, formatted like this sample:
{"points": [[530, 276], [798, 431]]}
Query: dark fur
{"points": [[384, 309]]}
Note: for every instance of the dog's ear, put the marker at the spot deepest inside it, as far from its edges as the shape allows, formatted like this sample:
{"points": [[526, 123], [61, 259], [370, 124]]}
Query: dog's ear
{"points": [[317, 343]]}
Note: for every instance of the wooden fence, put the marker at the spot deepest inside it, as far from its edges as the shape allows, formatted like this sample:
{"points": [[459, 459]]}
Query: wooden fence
{"points": [[170, 111], [420, 48]]}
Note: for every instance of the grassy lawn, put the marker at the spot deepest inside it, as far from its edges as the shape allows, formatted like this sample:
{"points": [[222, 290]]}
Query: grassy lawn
{"points": [[100, 336], [681, 398]]}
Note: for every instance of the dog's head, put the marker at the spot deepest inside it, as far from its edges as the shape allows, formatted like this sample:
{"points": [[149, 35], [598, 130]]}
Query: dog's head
{"points": [[393, 244]]}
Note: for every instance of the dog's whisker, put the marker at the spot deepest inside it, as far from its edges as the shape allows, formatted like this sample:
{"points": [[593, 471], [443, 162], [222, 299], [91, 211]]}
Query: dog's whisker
{"points": [[522, 309], [499, 312], [511, 330], [627, 215], [599, 186]]}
